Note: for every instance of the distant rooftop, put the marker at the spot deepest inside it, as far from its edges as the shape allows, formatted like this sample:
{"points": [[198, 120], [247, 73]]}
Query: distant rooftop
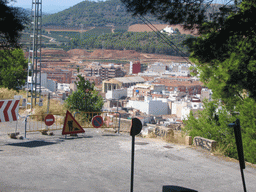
{"points": [[130, 79]]}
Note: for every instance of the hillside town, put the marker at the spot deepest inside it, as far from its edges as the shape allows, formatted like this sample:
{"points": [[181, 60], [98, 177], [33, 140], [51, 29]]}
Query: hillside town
{"points": [[162, 92]]}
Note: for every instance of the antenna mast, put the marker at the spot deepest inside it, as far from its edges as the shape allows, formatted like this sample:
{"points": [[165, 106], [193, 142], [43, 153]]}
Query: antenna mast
{"points": [[34, 65]]}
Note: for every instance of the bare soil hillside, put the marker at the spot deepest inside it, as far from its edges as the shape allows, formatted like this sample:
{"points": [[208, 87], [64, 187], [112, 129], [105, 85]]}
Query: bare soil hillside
{"points": [[158, 27], [76, 55], [125, 55]]}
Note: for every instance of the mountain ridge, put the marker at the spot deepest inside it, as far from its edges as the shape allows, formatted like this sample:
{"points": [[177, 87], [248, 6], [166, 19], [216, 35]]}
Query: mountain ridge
{"points": [[94, 14]]}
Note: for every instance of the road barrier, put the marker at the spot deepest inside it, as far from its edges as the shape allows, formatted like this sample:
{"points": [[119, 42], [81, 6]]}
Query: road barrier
{"points": [[110, 119], [37, 123], [34, 123], [9, 110]]}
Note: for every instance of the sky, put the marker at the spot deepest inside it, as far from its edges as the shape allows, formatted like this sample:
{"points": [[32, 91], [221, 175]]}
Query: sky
{"points": [[54, 6], [48, 6]]}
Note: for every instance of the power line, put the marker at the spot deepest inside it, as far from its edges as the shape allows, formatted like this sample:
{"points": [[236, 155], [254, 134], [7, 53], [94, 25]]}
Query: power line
{"points": [[163, 37]]}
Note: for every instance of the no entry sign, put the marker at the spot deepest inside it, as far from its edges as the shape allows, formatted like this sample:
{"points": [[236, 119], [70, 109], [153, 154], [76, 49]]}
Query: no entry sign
{"points": [[97, 121], [49, 119]]}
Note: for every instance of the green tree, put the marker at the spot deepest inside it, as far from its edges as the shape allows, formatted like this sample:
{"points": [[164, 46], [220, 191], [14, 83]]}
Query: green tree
{"points": [[12, 22], [212, 123], [191, 13], [12, 68], [224, 53], [226, 56], [225, 61], [85, 99]]}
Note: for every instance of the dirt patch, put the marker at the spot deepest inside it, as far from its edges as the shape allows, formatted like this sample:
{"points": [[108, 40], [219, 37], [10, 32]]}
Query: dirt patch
{"points": [[76, 55], [53, 52], [75, 52]]}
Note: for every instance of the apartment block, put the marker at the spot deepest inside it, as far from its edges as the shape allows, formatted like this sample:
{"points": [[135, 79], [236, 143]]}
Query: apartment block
{"points": [[121, 82], [104, 71], [58, 75]]}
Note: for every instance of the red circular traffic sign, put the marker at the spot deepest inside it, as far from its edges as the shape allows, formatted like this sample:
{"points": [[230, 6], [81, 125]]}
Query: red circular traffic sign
{"points": [[49, 119], [97, 121]]}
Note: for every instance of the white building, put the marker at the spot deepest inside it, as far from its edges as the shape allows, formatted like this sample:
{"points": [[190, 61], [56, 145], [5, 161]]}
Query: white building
{"points": [[64, 86], [116, 93], [168, 30], [149, 106], [183, 108], [158, 67], [185, 112], [177, 107], [130, 91]]}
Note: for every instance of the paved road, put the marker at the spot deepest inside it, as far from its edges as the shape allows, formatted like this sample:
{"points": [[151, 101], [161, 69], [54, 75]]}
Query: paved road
{"points": [[99, 161]]}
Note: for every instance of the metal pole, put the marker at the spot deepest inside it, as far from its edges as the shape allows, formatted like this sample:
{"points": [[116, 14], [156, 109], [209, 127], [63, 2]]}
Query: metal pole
{"points": [[242, 174], [132, 166], [118, 130], [48, 104], [117, 104], [26, 126]]}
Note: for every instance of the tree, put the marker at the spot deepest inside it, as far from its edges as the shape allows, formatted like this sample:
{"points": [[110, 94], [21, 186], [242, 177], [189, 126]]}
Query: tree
{"points": [[12, 68], [225, 61], [226, 56], [212, 123], [191, 13], [12, 22], [86, 98], [224, 53], [12, 61]]}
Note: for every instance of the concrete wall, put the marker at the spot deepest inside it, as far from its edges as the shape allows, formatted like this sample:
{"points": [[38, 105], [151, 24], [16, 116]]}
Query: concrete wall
{"points": [[43, 79], [52, 85], [158, 108], [116, 94]]}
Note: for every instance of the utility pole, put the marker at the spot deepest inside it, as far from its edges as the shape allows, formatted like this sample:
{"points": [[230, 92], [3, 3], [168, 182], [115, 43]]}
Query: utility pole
{"points": [[34, 64]]}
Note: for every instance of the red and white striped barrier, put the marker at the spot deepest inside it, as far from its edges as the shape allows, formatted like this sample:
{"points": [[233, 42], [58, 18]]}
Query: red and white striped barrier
{"points": [[9, 110]]}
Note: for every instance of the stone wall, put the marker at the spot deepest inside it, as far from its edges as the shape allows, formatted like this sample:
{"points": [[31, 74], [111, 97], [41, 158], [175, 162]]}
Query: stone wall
{"points": [[168, 134], [171, 135], [207, 144]]}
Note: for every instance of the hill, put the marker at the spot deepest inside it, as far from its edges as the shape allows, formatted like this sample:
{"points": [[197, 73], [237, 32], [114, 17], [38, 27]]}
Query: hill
{"points": [[159, 27], [90, 13]]}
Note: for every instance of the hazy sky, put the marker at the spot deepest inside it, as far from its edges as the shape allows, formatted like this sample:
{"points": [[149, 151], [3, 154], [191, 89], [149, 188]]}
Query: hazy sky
{"points": [[48, 6], [53, 6]]}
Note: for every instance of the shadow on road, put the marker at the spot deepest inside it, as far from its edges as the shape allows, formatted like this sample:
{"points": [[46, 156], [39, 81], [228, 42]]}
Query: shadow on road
{"points": [[31, 144], [76, 137], [107, 135], [172, 188]]}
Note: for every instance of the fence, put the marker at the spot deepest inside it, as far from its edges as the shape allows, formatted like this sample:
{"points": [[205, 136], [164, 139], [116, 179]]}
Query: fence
{"points": [[34, 123], [110, 119]]}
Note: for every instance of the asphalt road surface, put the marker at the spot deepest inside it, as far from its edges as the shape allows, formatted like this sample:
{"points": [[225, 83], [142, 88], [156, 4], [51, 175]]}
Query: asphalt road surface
{"points": [[99, 161]]}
